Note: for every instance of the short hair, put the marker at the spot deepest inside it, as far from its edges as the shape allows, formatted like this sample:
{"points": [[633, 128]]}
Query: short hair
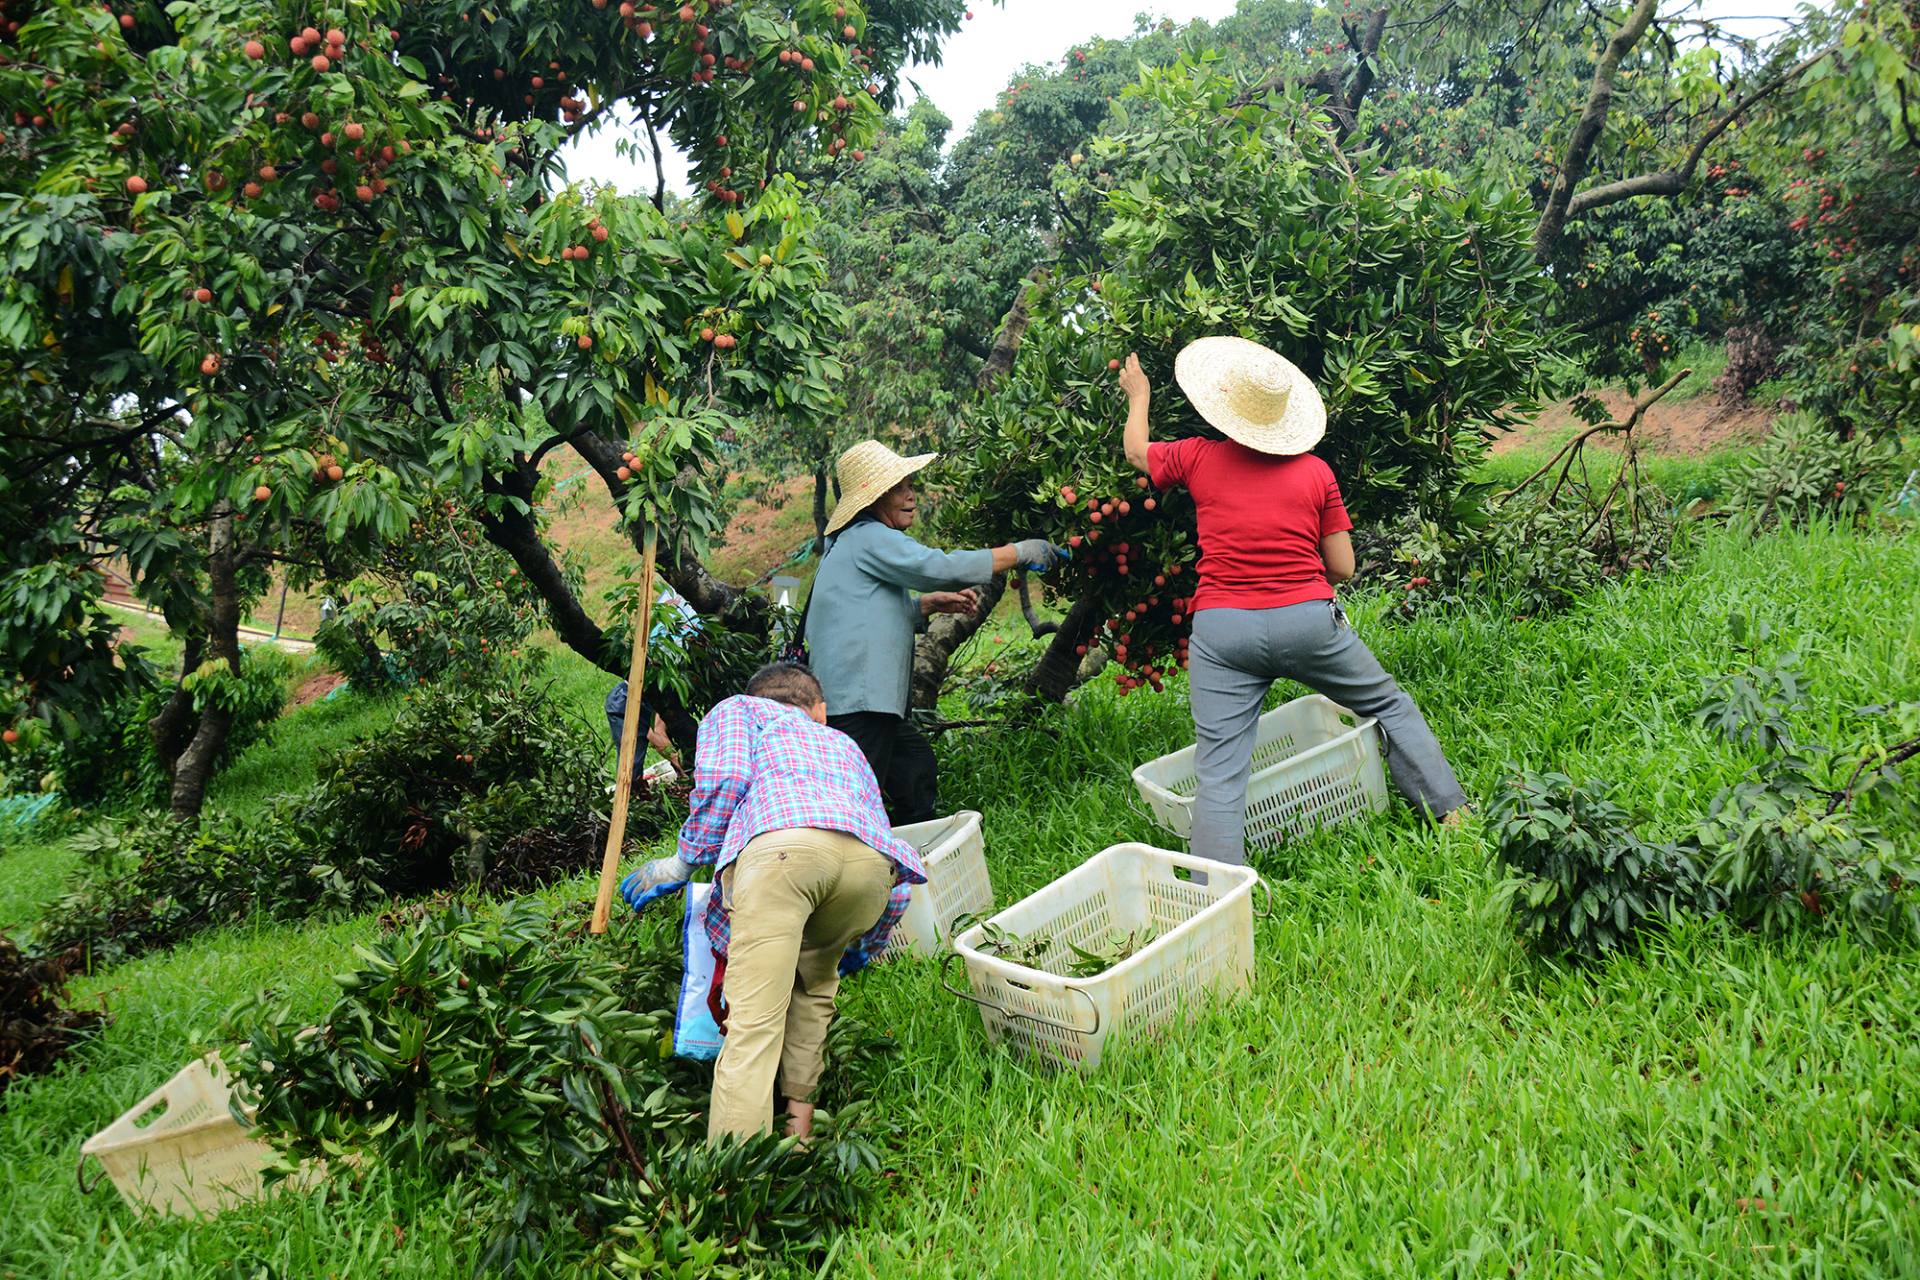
{"points": [[787, 682]]}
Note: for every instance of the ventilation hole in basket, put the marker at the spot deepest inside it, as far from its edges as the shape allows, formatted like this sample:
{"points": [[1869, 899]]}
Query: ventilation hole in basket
{"points": [[1183, 873], [154, 1114]]}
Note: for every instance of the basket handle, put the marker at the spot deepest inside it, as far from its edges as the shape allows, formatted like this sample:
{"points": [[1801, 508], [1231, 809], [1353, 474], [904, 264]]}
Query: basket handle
{"points": [[80, 1175], [1133, 803], [1260, 882], [952, 990]]}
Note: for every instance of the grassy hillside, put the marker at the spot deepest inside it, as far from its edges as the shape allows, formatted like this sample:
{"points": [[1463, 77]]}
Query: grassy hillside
{"points": [[1405, 1091]]}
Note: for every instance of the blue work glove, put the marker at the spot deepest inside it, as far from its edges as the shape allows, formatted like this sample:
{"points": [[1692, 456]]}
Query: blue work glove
{"points": [[854, 961], [1037, 554], [655, 879]]}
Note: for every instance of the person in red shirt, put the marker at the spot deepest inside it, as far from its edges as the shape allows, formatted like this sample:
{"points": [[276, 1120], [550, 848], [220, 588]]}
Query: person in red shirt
{"points": [[1274, 539]]}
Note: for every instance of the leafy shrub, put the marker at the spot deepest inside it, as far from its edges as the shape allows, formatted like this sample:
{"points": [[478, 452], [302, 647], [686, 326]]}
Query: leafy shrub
{"points": [[1536, 558], [118, 760], [533, 1066], [1805, 469], [485, 783], [37, 1029], [1809, 833], [1580, 881], [444, 603]]}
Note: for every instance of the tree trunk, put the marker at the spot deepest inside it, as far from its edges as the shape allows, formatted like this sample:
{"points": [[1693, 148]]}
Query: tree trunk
{"points": [[515, 533], [1587, 130], [1059, 668], [194, 767], [933, 652], [820, 507], [173, 728]]}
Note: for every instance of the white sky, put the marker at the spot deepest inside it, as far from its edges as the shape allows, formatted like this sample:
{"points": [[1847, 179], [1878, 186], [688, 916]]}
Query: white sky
{"points": [[981, 58], [976, 63]]}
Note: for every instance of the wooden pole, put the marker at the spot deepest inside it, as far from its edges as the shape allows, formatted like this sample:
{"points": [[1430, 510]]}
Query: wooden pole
{"points": [[629, 740]]}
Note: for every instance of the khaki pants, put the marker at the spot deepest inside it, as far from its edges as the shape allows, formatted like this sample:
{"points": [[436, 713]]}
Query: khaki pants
{"points": [[797, 898]]}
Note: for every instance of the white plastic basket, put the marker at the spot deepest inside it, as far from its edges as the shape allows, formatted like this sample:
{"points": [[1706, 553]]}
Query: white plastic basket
{"points": [[1314, 764], [957, 884], [180, 1149], [1202, 915]]}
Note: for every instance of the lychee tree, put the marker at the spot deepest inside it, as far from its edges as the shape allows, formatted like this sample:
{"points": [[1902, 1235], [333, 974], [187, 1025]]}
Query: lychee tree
{"points": [[1412, 303], [322, 257]]}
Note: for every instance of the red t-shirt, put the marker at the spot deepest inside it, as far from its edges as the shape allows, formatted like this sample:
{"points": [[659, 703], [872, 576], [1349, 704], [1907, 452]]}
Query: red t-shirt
{"points": [[1261, 520]]}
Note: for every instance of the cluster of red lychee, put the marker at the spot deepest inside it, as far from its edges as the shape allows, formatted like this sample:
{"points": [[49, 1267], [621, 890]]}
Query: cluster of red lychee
{"points": [[1103, 556]]}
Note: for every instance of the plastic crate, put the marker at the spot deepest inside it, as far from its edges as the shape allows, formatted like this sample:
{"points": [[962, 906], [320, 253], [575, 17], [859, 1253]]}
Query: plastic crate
{"points": [[1314, 764], [957, 884], [180, 1149], [1202, 915]]}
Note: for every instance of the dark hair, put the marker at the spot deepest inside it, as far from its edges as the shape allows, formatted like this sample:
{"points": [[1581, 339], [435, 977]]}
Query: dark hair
{"points": [[787, 682]]}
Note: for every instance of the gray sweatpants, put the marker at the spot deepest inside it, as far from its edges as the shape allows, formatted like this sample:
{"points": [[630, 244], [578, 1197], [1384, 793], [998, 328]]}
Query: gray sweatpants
{"points": [[1234, 658]]}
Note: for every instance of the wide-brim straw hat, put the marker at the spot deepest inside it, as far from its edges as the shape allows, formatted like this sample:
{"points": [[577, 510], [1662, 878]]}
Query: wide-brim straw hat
{"points": [[1255, 396], [866, 471]]}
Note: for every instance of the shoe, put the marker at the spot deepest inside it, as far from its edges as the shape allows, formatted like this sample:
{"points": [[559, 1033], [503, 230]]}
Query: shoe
{"points": [[653, 880]]}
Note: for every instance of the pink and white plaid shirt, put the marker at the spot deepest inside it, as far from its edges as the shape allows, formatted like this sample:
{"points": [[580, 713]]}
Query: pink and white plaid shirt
{"points": [[764, 766]]}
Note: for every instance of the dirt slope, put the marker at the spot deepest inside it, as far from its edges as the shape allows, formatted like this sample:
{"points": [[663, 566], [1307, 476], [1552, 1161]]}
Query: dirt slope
{"points": [[1683, 428]]}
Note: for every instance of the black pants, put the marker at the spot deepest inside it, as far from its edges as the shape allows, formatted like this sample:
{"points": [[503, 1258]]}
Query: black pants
{"points": [[902, 762]]}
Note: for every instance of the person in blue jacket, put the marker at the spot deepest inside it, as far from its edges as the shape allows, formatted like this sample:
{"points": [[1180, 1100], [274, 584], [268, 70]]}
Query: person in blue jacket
{"points": [[875, 589]]}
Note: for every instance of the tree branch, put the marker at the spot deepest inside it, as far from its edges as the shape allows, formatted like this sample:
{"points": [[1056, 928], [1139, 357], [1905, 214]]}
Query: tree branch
{"points": [[1672, 182], [1587, 130]]}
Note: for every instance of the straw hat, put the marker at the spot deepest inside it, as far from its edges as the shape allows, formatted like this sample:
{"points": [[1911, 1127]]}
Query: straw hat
{"points": [[867, 471], [1253, 395]]}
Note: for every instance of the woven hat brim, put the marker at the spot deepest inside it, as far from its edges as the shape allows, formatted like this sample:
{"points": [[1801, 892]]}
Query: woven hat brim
{"points": [[1201, 369], [857, 499]]}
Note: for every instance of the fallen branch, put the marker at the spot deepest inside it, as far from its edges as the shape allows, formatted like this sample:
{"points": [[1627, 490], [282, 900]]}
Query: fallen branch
{"points": [[1605, 428]]}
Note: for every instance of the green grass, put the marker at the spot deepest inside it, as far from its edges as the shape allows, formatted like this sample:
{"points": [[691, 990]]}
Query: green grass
{"points": [[1405, 1091]]}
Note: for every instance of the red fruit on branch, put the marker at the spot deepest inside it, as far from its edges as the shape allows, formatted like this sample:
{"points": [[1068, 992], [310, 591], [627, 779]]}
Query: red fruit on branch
{"points": [[336, 472], [261, 493], [584, 341], [254, 49], [1113, 364], [625, 473], [320, 62], [203, 294], [355, 131], [136, 185]]}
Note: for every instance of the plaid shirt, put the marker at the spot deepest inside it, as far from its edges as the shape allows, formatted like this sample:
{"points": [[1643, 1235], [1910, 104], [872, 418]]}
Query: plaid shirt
{"points": [[764, 766]]}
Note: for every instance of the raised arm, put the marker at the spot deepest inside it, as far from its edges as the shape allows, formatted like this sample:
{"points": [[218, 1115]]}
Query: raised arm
{"points": [[1133, 381]]}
